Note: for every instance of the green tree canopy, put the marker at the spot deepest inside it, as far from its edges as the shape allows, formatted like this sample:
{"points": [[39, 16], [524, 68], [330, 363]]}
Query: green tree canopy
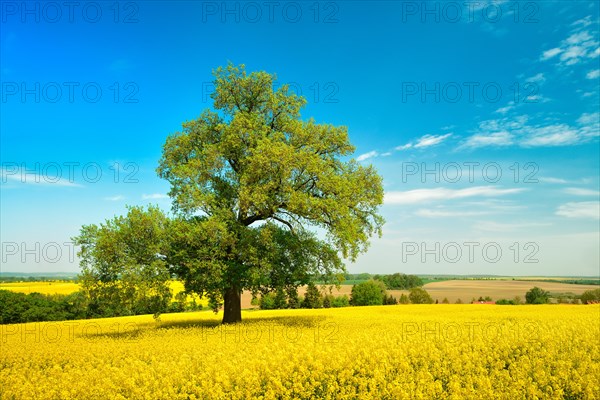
{"points": [[369, 293], [537, 295], [251, 161], [419, 296], [124, 271], [590, 296]]}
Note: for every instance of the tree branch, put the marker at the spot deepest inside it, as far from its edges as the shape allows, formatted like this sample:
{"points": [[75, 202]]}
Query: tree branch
{"points": [[283, 221]]}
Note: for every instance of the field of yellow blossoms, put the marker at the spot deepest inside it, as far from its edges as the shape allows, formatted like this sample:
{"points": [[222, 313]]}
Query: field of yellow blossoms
{"points": [[382, 352]]}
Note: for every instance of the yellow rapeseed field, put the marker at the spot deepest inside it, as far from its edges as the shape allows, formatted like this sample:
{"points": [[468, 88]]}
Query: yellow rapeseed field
{"points": [[381, 352], [41, 287], [71, 287]]}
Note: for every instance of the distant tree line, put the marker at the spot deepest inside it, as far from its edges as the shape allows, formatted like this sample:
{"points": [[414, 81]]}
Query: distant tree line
{"points": [[396, 281], [369, 293], [35, 307], [16, 279]]}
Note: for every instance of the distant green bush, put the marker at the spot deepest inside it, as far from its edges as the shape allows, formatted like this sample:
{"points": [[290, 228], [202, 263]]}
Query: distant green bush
{"points": [[419, 296], [340, 301], [590, 296], [537, 295], [369, 293]]}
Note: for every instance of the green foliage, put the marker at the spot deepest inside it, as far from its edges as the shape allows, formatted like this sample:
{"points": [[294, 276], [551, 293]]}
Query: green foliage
{"points": [[419, 296], [312, 298], [458, 301], [404, 299], [267, 301], [590, 296], [280, 298], [293, 298], [445, 301], [537, 296], [263, 179], [390, 300], [401, 281], [19, 307], [340, 301], [123, 267], [369, 293], [328, 300], [255, 159], [505, 302]]}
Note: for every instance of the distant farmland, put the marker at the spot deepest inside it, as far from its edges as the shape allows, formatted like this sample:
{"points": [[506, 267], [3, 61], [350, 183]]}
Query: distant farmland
{"points": [[464, 289]]}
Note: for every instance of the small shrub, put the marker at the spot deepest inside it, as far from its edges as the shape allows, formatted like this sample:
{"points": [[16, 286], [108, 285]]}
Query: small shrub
{"points": [[312, 298], [537, 296], [404, 299], [369, 293], [420, 296], [340, 301], [590, 296]]}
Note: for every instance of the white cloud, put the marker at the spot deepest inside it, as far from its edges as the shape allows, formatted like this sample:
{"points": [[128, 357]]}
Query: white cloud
{"points": [[551, 53], [578, 47], [552, 135], [492, 226], [154, 196], [424, 141], [115, 198], [386, 154], [582, 192], [22, 176], [583, 21], [495, 132], [589, 125], [492, 139], [366, 156], [553, 180], [423, 195], [593, 74], [538, 78], [429, 213], [582, 209], [431, 140], [507, 108], [589, 118], [404, 147]]}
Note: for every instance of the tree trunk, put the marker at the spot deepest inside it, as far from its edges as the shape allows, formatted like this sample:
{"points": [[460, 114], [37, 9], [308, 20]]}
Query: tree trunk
{"points": [[232, 310]]}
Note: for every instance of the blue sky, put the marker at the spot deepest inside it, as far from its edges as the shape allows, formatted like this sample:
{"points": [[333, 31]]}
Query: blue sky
{"points": [[482, 118]]}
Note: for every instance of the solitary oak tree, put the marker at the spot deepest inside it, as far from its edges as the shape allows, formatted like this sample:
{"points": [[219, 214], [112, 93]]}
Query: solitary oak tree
{"points": [[252, 183]]}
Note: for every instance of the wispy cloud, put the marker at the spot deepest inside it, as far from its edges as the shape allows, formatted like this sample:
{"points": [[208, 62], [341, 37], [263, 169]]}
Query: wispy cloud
{"points": [[420, 143], [546, 55], [366, 156], [549, 179], [518, 131], [492, 226], [24, 177], [436, 213], [582, 209], [425, 141], [537, 78], [578, 47], [404, 146], [498, 139], [507, 108], [582, 192], [425, 195], [593, 74], [154, 196], [115, 198]]}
